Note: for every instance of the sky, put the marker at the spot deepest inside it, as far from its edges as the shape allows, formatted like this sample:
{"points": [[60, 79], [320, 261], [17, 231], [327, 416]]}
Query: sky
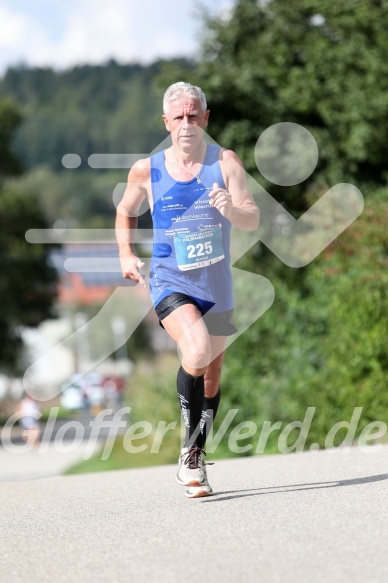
{"points": [[64, 33]]}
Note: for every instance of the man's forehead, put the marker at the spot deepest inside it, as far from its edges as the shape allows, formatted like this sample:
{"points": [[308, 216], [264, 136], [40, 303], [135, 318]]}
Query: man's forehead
{"points": [[185, 103]]}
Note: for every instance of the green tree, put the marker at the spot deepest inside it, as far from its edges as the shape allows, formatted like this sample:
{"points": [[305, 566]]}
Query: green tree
{"points": [[27, 282], [318, 63], [10, 119], [323, 344]]}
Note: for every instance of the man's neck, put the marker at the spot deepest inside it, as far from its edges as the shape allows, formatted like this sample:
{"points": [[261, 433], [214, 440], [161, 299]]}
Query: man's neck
{"points": [[188, 158]]}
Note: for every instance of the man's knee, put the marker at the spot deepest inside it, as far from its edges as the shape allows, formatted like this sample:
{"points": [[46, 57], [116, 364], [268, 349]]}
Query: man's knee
{"points": [[196, 357], [196, 354]]}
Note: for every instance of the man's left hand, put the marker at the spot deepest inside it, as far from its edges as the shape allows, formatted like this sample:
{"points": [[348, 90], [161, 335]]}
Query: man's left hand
{"points": [[221, 200]]}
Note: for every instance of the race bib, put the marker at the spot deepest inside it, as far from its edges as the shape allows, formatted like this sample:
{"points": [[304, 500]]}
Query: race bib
{"points": [[200, 249]]}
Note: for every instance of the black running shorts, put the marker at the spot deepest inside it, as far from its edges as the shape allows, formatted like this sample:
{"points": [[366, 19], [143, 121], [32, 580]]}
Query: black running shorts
{"points": [[218, 324]]}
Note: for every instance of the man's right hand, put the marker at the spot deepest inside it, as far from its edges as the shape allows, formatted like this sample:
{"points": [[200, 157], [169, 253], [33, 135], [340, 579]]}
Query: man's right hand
{"points": [[130, 267]]}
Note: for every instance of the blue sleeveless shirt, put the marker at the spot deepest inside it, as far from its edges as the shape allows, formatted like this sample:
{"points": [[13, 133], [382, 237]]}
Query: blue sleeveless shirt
{"points": [[191, 238]]}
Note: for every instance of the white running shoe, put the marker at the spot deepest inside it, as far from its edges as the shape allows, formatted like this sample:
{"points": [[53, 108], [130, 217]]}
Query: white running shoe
{"points": [[192, 468]]}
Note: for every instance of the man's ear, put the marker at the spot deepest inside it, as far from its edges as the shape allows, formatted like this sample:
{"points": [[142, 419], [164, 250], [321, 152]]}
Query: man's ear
{"points": [[207, 113], [165, 119]]}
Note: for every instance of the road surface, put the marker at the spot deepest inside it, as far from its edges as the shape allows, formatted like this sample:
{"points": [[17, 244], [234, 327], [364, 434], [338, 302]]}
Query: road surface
{"points": [[313, 517]]}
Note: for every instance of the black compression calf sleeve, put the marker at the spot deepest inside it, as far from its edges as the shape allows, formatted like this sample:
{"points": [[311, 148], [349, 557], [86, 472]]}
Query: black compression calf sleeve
{"points": [[209, 412], [191, 396]]}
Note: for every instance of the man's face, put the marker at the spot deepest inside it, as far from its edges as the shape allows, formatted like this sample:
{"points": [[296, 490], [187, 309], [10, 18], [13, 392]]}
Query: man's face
{"points": [[186, 120]]}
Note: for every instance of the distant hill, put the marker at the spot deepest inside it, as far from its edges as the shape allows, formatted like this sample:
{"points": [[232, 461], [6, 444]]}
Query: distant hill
{"points": [[89, 109], [85, 110]]}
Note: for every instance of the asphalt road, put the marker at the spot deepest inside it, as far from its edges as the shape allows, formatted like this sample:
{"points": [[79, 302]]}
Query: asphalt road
{"points": [[68, 429], [296, 518], [42, 462]]}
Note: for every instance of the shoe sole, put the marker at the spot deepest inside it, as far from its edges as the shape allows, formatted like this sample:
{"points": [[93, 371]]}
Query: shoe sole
{"points": [[191, 483], [201, 493]]}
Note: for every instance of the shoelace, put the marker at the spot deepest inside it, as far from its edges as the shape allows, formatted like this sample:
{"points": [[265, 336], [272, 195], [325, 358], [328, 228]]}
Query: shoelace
{"points": [[193, 458]]}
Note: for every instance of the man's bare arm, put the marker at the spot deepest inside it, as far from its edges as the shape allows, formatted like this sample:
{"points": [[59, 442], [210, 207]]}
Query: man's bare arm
{"points": [[127, 218], [236, 203]]}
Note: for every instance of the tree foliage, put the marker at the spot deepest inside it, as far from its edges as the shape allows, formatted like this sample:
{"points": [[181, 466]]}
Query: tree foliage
{"points": [[318, 63], [27, 282], [323, 344], [10, 119]]}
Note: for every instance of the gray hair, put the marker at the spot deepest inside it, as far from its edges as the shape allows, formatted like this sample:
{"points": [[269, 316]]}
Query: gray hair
{"points": [[181, 88]]}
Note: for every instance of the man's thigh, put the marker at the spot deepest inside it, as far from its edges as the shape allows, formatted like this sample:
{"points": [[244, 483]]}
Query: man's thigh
{"points": [[185, 324]]}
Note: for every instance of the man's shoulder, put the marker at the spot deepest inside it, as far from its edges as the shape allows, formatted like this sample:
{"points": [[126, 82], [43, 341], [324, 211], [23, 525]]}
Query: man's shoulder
{"points": [[229, 159], [140, 171]]}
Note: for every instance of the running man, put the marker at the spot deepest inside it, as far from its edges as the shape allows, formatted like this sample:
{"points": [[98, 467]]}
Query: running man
{"points": [[196, 192]]}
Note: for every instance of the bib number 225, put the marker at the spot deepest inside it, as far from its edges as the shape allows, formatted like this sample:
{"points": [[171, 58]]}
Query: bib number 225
{"points": [[199, 250]]}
